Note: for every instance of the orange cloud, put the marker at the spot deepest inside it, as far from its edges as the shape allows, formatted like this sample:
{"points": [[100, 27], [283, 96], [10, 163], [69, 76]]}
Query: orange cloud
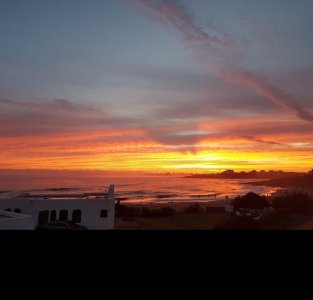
{"points": [[132, 150]]}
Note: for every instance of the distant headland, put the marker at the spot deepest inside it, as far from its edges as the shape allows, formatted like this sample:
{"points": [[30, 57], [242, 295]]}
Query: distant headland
{"points": [[231, 174], [271, 178]]}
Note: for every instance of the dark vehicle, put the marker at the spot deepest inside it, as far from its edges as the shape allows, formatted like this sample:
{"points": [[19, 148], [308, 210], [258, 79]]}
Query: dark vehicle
{"points": [[61, 225]]}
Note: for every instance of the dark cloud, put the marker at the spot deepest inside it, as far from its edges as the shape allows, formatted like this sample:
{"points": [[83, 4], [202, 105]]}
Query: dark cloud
{"points": [[278, 96], [54, 104], [212, 107], [53, 116], [255, 139], [174, 14]]}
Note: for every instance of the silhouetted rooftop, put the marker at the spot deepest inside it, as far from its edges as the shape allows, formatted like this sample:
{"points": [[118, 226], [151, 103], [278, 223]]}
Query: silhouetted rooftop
{"points": [[251, 201]]}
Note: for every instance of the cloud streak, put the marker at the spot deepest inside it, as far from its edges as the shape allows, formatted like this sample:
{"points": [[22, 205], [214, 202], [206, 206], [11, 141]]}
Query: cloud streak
{"points": [[201, 42], [174, 14], [31, 118], [276, 95]]}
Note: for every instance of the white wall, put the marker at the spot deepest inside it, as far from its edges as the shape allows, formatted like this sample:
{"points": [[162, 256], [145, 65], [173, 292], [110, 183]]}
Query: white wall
{"points": [[17, 222], [90, 210]]}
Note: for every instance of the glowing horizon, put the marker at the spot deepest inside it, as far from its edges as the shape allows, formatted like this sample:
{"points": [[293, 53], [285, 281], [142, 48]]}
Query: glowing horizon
{"points": [[84, 151]]}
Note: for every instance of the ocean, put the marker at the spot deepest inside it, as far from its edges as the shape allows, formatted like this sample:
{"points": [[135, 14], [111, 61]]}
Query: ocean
{"points": [[130, 189]]}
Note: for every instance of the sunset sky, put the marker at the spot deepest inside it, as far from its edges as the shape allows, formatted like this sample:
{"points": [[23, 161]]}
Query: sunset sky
{"points": [[156, 85]]}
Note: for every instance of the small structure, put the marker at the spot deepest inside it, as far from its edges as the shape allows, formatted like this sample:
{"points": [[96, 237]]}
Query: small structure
{"points": [[252, 205]]}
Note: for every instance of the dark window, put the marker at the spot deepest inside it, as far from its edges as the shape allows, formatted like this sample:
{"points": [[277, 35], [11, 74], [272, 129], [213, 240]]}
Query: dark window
{"points": [[63, 215], [104, 213], [43, 217], [53, 215], [17, 210], [8, 209], [77, 216]]}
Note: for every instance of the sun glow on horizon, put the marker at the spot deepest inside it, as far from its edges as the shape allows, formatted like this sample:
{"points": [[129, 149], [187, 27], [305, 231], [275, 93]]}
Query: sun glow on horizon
{"points": [[148, 155]]}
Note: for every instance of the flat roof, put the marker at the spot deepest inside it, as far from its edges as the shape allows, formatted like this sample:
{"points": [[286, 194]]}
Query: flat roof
{"points": [[2, 216], [55, 198]]}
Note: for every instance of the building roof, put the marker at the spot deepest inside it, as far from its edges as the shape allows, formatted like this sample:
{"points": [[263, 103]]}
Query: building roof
{"points": [[2, 216]]}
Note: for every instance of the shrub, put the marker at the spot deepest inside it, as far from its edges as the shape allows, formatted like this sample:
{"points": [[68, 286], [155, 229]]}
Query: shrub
{"points": [[162, 212], [238, 223], [210, 209], [126, 211], [251, 201], [299, 203], [193, 209]]}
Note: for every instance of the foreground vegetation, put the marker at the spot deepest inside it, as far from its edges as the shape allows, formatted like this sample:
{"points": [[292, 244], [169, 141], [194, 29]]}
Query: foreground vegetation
{"points": [[200, 221], [290, 212], [216, 221]]}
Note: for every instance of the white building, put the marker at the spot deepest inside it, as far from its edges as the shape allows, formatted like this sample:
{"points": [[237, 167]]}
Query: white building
{"points": [[93, 213]]}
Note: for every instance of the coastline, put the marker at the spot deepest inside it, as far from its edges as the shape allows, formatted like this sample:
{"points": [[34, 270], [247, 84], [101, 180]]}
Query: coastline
{"points": [[303, 182]]}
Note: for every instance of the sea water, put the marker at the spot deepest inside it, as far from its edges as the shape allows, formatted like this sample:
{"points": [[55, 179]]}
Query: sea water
{"points": [[130, 189]]}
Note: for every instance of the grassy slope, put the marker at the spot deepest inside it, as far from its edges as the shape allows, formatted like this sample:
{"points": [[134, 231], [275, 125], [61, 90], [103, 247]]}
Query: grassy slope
{"points": [[178, 222], [207, 221], [290, 222]]}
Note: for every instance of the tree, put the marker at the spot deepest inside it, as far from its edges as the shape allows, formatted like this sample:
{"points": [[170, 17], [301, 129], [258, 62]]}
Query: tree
{"points": [[251, 201], [299, 203], [193, 209]]}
